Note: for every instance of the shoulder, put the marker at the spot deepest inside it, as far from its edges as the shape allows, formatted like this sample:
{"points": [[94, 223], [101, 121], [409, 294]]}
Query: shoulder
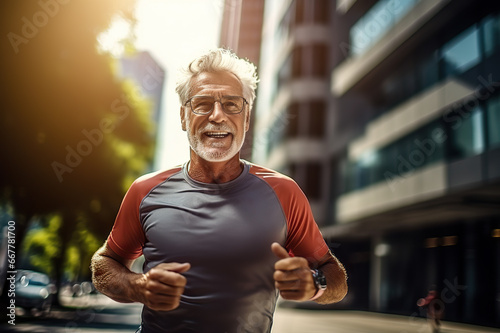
{"points": [[281, 183], [147, 182]]}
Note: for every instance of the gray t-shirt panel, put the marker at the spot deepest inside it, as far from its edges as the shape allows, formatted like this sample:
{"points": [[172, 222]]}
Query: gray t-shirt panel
{"points": [[225, 232]]}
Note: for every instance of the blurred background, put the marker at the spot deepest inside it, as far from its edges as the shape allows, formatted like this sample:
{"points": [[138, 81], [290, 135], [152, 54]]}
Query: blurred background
{"points": [[386, 112]]}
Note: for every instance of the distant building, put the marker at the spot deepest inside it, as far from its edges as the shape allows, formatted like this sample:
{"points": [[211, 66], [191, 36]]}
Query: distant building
{"points": [[241, 31], [149, 77], [387, 113], [294, 97]]}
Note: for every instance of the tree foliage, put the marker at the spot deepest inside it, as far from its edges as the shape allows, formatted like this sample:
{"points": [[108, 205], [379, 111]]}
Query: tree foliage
{"points": [[71, 133]]}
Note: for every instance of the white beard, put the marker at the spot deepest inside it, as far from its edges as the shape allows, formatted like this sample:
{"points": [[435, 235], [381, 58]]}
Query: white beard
{"points": [[214, 152]]}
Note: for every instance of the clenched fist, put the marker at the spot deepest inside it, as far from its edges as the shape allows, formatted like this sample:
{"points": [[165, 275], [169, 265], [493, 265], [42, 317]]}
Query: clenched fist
{"points": [[292, 276], [163, 286]]}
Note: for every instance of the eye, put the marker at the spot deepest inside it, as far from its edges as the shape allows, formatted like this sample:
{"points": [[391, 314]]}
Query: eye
{"points": [[202, 104]]}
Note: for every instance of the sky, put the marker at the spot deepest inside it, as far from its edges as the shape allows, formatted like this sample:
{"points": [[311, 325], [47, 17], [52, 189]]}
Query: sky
{"points": [[174, 32]]}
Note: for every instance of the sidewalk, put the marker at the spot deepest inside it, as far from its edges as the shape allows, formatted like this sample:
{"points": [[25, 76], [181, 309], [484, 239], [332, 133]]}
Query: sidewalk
{"points": [[338, 321]]}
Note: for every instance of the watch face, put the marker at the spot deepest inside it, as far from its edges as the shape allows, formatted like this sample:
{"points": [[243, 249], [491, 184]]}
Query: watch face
{"points": [[319, 279]]}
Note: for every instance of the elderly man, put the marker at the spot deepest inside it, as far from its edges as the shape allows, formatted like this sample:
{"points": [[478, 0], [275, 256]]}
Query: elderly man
{"points": [[220, 236]]}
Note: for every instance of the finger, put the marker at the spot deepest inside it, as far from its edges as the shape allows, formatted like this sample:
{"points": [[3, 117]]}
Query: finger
{"points": [[292, 275], [166, 277], [294, 295], [279, 251], [163, 303], [160, 288], [288, 285], [292, 264]]}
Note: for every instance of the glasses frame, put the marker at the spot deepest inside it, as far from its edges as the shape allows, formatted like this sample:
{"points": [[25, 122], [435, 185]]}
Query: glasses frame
{"points": [[213, 105]]}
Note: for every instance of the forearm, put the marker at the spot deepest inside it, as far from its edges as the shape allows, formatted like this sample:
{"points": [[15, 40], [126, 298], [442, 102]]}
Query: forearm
{"points": [[336, 279], [114, 279]]}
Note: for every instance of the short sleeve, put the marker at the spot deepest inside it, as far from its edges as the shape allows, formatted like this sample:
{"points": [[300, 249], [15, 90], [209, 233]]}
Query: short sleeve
{"points": [[127, 237], [304, 238]]}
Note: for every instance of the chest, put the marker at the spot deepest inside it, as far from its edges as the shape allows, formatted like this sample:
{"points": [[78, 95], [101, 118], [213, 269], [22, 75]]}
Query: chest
{"points": [[200, 227]]}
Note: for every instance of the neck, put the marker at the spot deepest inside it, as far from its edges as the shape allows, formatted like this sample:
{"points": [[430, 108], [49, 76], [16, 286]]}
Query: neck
{"points": [[214, 172]]}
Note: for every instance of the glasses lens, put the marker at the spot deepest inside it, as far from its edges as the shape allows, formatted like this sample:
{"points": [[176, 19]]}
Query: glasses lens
{"points": [[202, 104], [205, 104], [232, 104]]}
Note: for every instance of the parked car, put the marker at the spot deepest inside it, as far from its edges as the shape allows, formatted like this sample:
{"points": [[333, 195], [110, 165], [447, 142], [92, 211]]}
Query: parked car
{"points": [[34, 292]]}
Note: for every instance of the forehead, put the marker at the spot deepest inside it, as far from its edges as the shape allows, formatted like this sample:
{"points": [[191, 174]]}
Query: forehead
{"points": [[217, 84]]}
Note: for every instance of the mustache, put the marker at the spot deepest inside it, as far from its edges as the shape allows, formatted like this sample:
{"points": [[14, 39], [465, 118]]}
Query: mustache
{"points": [[215, 128]]}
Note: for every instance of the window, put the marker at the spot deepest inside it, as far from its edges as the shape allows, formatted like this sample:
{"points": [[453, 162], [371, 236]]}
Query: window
{"points": [[462, 52], [376, 22], [319, 61], [467, 134], [309, 11], [491, 35], [321, 11], [297, 68], [493, 115], [317, 119], [312, 187], [300, 11], [292, 125]]}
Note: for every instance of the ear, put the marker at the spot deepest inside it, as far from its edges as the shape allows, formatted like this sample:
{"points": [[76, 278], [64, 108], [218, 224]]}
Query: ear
{"points": [[247, 119], [183, 119]]}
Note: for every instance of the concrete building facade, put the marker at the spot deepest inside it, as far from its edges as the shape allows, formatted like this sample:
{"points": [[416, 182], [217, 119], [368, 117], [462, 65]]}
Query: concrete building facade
{"points": [[387, 113]]}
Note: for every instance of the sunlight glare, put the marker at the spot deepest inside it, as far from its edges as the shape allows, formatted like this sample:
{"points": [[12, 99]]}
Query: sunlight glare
{"points": [[113, 39]]}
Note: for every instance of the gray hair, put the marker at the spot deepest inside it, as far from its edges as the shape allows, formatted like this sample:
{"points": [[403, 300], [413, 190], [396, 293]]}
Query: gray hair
{"points": [[219, 60]]}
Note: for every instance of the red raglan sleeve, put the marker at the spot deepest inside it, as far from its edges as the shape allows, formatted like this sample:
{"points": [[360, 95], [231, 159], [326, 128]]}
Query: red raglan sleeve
{"points": [[304, 239], [127, 236]]}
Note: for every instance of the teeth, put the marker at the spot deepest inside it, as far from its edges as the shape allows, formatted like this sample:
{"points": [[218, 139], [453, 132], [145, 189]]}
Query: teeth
{"points": [[217, 134]]}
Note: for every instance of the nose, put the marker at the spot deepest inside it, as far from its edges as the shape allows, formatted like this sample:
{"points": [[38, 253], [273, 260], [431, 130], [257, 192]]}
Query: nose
{"points": [[217, 115]]}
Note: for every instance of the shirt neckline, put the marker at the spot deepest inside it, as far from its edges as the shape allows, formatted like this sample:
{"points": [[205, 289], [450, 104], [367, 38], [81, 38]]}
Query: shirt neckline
{"points": [[212, 186]]}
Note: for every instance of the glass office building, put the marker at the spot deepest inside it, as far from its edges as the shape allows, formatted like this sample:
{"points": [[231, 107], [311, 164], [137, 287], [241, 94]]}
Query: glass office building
{"points": [[397, 147]]}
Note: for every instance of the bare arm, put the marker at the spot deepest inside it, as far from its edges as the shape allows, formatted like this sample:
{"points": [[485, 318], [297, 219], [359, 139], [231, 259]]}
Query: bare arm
{"points": [[336, 280], [112, 276], [159, 289]]}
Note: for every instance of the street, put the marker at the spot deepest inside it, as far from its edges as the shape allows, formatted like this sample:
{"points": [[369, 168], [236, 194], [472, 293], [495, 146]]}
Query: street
{"points": [[98, 314], [338, 321]]}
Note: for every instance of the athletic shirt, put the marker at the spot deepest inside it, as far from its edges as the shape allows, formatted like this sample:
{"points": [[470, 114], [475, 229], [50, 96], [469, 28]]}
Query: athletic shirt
{"points": [[225, 232]]}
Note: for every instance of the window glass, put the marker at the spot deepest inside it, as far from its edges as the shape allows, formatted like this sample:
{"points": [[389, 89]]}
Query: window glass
{"points": [[313, 181], [467, 134], [321, 11], [297, 68], [300, 11], [376, 22], [292, 127], [319, 60], [494, 122], [462, 52], [491, 35], [317, 119]]}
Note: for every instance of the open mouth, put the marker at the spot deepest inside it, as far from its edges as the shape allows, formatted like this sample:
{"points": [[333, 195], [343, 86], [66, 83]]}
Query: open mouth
{"points": [[217, 135]]}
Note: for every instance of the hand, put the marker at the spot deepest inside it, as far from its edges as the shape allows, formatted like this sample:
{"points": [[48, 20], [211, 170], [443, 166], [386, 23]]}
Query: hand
{"points": [[163, 286], [292, 276]]}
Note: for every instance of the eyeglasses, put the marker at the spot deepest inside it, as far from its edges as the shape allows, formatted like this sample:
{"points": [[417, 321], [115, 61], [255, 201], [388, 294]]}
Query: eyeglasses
{"points": [[203, 105]]}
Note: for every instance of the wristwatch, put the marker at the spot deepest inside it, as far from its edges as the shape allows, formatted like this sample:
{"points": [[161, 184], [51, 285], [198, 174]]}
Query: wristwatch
{"points": [[320, 282], [319, 279]]}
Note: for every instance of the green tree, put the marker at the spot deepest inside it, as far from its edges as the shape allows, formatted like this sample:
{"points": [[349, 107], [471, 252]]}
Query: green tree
{"points": [[71, 134]]}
